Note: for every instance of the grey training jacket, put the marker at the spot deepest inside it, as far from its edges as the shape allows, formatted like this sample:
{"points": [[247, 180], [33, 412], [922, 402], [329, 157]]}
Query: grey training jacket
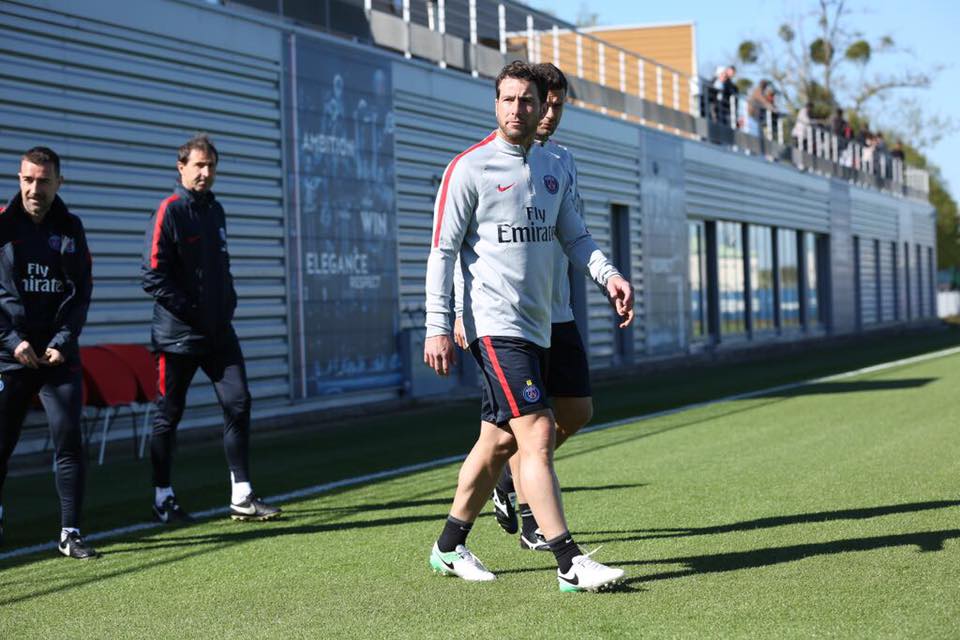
{"points": [[502, 209]]}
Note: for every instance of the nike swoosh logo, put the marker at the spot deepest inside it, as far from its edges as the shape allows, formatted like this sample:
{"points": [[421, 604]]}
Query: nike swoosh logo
{"points": [[192, 239], [502, 189], [244, 510], [448, 565], [574, 581]]}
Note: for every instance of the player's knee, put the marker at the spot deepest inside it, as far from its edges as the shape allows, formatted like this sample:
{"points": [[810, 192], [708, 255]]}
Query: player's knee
{"points": [[237, 405], [504, 447]]}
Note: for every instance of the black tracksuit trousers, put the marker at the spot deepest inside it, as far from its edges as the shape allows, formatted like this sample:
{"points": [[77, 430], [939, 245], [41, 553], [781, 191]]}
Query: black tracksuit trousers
{"points": [[61, 394], [225, 368]]}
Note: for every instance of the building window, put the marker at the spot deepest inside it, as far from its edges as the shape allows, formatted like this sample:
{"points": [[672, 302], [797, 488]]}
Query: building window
{"points": [[698, 279], [867, 283], [730, 274], [761, 278], [789, 278], [811, 264], [895, 279], [920, 283]]}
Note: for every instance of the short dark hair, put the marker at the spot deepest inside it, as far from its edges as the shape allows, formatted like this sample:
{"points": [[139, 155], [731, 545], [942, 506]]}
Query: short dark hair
{"points": [[199, 142], [552, 75], [520, 70], [41, 156]]}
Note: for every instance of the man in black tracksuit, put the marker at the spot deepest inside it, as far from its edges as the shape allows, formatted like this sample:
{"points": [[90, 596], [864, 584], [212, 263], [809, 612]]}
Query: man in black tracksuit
{"points": [[45, 287], [186, 268]]}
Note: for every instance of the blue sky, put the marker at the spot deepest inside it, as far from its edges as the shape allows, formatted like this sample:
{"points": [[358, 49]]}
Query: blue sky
{"points": [[927, 27]]}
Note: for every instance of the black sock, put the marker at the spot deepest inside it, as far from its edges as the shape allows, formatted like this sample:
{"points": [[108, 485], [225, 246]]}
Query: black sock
{"points": [[565, 549], [454, 533], [505, 483], [528, 522]]}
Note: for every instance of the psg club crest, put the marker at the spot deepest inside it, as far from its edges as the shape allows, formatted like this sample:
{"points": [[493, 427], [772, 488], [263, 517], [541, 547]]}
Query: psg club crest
{"points": [[530, 392], [551, 184], [54, 243]]}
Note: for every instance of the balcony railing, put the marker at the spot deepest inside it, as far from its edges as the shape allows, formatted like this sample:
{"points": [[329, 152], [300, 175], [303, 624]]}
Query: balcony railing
{"points": [[480, 36]]}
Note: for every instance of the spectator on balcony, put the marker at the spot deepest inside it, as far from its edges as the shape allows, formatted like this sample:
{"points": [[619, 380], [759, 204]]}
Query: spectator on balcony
{"points": [[880, 143], [718, 77], [775, 114], [759, 103], [897, 151], [869, 154], [726, 89], [841, 129], [802, 128]]}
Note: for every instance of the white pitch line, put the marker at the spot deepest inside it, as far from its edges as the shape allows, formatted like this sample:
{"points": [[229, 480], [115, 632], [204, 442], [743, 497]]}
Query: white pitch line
{"points": [[439, 462]]}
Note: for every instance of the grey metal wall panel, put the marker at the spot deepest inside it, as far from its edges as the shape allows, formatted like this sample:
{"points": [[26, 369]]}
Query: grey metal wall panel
{"points": [[873, 214], [925, 228], [666, 259], [868, 282], [731, 186], [115, 94], [842, 309]]}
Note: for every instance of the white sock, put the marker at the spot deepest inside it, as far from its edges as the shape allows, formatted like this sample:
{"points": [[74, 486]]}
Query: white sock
{"points": [[160, 494], [67, 530], [239, 490]]}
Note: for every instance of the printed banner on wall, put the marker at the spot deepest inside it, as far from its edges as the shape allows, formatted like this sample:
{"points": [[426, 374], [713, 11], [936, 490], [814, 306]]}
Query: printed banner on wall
{"points": [[344, 293]]}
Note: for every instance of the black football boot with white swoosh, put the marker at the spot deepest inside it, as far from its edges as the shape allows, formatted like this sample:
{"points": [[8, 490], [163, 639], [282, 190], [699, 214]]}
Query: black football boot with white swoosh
{"points": [[73, 545], [253, 508], [169, 512]]}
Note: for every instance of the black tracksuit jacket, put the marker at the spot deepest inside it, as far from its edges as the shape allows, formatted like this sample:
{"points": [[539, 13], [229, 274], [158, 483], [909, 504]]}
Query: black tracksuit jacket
{"points": [[186, 268], [47, 310]]}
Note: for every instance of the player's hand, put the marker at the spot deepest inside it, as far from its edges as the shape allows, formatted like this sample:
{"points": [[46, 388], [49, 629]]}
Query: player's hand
{"points": [[459, 335], [439, 354], [25, 355], [621, 297], [52, 357]]}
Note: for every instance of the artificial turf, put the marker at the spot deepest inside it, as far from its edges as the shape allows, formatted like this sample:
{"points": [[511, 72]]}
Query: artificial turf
{"points": [[826, 510]]}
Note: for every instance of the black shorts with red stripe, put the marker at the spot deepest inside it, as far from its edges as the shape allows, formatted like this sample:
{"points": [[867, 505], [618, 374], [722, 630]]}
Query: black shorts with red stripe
{"points": [[512, 372], [568, 375]]}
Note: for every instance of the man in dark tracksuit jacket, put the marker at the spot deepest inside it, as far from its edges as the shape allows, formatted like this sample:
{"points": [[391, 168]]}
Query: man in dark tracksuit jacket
{"points": [[186, 268], [45, 287]]}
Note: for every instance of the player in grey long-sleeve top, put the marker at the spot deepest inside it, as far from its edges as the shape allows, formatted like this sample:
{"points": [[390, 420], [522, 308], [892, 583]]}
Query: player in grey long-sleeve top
{"points": [[568, 370], [502, 206]]}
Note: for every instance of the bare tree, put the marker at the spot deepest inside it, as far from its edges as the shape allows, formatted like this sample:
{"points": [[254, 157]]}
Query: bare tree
{"points": [[819, 57]]}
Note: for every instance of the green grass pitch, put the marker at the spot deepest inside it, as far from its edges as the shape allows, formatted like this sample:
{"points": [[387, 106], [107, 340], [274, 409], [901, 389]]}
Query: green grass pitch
{"points": [[828, 510]]}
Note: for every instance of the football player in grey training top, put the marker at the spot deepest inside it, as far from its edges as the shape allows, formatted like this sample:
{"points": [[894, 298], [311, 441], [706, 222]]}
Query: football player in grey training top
{"points": [[503, 205], [568, 372]]}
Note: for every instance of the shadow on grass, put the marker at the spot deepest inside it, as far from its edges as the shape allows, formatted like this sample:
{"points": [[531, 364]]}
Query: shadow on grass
{"points": [[819, 388], [193, 545], [926, 541], [767, 523]]}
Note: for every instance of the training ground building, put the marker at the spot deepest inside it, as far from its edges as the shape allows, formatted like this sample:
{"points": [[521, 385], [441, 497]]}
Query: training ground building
{"points": [[332, 150]]}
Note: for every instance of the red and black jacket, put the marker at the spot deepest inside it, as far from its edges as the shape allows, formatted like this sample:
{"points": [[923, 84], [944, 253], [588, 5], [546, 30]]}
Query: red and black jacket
{"points": [[63, 240], [186, 268]]}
